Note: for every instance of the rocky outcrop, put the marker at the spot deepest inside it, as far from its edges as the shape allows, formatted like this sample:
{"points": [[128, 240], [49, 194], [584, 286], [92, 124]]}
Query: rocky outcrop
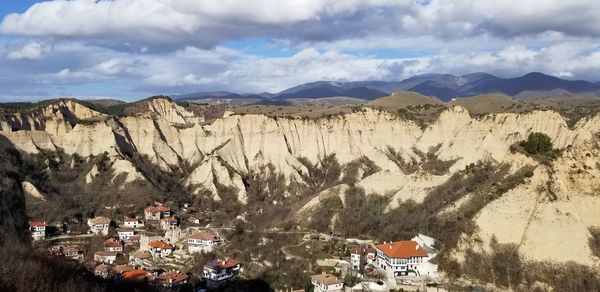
{"points": [[223, 151]]}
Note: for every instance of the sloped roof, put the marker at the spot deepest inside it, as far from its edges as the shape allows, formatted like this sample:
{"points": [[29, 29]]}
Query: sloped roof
{"points": [[160, 244], [402, 249], [203, 235], [222, 264], [326, 279]]}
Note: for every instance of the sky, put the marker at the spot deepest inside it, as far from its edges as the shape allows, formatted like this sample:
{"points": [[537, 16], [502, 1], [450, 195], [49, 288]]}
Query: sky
{"points": [[131, 49]]}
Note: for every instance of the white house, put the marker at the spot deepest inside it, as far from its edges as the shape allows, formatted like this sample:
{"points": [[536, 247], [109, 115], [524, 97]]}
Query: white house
{"points": [[125, 233], [202, 241], [132, 223], [99, 225], [108, 257], [103, 271], [37, 229], [159, 248], [157, 212], [220, 271], [73, 253], [400, 258], [326, 283]]}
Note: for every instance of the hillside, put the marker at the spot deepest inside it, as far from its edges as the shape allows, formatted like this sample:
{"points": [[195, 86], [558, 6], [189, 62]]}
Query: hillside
{"points": [[454, 173]]}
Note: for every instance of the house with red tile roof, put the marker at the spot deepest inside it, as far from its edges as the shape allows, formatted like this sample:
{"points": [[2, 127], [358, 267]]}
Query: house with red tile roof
{"points": [[37, 229], [173, 279], [157, 212], [326, 283], [103, 271], [219, 271], [113, 244], [136, 275], [159, 248], [400, 258], [202, 241]]}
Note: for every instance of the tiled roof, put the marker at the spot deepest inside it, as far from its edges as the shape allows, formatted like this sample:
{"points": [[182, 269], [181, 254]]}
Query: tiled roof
{"points": [[402, 249], [326, 279], [127, 219], [155, 209], [203, 235], [222, 264], [99, 221], [160, 244], [125, 230], [123, 268], [112, 242], [37, 224], [134, 275], [173, 278]]}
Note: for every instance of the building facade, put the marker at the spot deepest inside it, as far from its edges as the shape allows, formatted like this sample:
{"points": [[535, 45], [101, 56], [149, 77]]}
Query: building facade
{"points": [[220, 271], [326, 283], [202, 241], [400, 258]]}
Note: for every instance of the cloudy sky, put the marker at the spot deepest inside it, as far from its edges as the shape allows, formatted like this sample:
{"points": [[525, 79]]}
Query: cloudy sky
{"points": [[130, 49]]}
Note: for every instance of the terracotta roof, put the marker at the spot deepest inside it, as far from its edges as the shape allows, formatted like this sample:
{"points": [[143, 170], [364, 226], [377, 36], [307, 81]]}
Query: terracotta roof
{"points": [[125, 230], [402, 249], [173, 278], [222, 264], [37, 223], [203, 235], [155, 209], [112, 242], [127, 219], [99, 221], [141, 254], [103, 253], [160, 244], [134, 275], [326, 279]]}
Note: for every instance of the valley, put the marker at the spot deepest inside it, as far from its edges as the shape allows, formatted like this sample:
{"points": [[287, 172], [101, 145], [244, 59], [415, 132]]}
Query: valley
{"points": [[290, 186]]}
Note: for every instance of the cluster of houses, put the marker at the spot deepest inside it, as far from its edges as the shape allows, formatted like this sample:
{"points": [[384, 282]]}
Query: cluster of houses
{"points": [[132, 254], [392, 259]]}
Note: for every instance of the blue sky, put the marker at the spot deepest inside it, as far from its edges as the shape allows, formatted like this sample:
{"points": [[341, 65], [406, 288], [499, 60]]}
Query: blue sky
{"points": [[130, 49]]}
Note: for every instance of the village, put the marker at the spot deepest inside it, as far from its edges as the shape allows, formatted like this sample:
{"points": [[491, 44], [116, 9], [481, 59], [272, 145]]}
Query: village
{"points": [[156, 248]]}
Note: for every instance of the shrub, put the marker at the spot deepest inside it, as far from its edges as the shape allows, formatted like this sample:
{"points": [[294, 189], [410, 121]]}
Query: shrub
{"points": [[537, 143], [594, 240]]}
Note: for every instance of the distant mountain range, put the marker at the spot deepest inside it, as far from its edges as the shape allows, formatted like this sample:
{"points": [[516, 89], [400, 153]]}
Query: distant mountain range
{"points": [[442, 86]]}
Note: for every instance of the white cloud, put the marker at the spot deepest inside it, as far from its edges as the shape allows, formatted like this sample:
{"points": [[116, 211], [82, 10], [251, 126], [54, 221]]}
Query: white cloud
{"points": [[31, 51]]}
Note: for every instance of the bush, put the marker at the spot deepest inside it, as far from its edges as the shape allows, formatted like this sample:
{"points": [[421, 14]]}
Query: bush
{"points": [[594, 240], [537, 143]]}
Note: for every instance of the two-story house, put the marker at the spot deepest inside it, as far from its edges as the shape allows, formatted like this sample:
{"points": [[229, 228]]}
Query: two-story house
{"points": [[99, 225], [326, 283], [159, 248], [157, 212], [361, 254], [220, 271], [400, 258], [202, 241], [125, 233], [37, 229]]}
